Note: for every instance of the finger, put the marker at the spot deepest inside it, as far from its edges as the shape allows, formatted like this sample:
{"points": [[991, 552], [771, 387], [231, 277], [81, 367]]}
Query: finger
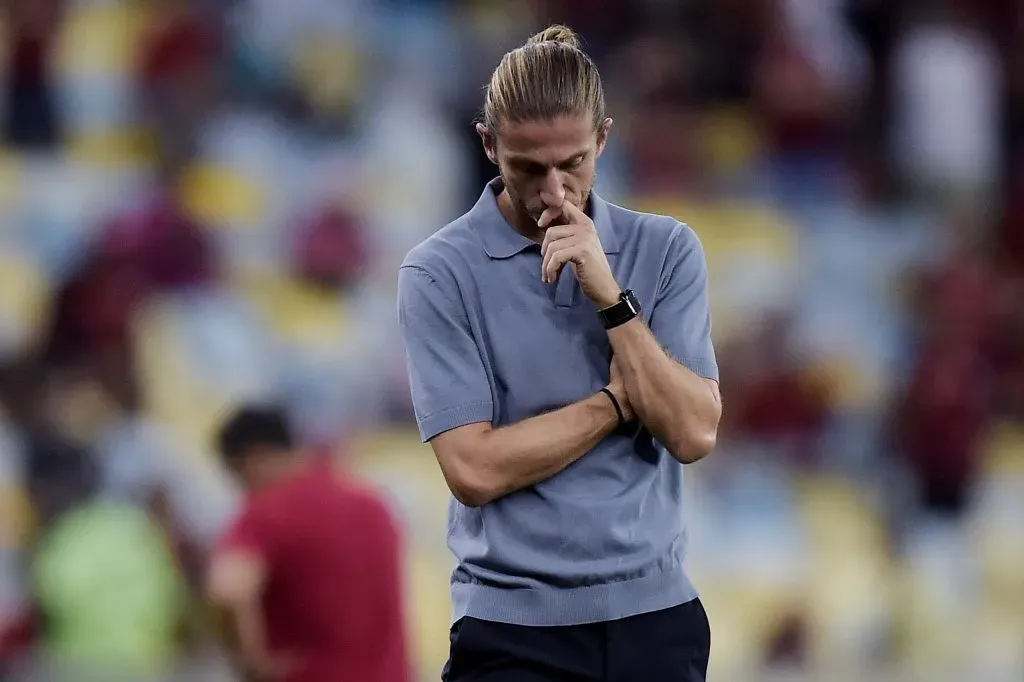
{"points": [[550, 214], [574, 214], [553, 234], [547, 252], [558, 256]]}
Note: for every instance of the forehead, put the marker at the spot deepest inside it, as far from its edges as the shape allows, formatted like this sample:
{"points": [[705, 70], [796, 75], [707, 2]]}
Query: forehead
{"points": [[549, 141]]}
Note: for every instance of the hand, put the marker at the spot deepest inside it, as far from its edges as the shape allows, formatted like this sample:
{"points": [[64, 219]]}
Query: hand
{"points": [[618, 389], [577, 242]]}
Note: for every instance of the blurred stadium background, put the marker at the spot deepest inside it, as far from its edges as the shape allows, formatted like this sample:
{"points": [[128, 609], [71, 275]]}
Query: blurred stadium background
{"points": [[205, 201]]}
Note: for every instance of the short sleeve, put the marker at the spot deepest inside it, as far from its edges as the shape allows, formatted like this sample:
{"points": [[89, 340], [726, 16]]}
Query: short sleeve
{"points": [[447, 377], [681, 315], [252, 532]]}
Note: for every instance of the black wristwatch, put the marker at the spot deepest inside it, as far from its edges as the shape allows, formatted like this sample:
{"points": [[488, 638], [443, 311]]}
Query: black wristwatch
{"points": [[622, 312]]}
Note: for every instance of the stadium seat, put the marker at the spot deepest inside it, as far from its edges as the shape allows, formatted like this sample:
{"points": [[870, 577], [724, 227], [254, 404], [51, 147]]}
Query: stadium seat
{"points": [[1004, 450], [301, 316], [851, 384], [429, 611], [16, 517], [175, 395], [330, 73], [749, 616], [10, 178], [995, 518], [751, 252], [112, 149], [99, 38], [849, 573], [221, 196], [24, 299]]}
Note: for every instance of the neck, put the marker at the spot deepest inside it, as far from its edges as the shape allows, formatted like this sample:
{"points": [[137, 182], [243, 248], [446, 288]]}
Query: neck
{"points": [[520, 222]]}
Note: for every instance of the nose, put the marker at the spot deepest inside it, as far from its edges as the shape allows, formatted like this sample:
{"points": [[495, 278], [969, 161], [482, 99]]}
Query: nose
{"points": [[552, 192]]}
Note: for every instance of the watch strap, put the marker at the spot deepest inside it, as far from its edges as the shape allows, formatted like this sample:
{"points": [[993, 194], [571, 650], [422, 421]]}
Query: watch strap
{"points": [[622, 312]]}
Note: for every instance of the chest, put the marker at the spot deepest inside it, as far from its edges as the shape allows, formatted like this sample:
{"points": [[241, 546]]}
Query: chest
{"points": [[543, 345]]}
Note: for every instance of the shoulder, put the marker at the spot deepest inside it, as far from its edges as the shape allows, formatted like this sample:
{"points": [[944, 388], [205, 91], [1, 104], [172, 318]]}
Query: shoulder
{"points": [[652, 230], [441, 254]]}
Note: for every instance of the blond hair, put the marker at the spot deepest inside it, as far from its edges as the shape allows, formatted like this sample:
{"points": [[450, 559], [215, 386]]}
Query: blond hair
{"points": [[548, 77]]}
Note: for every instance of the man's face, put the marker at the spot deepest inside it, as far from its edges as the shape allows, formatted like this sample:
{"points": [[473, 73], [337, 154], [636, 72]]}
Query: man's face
{"points": [[259, 468], [543, 163]]}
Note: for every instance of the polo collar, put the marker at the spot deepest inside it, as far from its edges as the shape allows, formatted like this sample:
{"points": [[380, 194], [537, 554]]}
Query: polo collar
{"points": [[501, 240]]}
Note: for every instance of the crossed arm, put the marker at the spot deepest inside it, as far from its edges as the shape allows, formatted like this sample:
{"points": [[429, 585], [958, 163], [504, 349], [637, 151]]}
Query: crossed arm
{"points": [[678, 401]]}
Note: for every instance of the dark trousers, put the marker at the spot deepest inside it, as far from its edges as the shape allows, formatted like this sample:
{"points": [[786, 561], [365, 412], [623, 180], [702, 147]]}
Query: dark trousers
{"points": [[664, 646]]}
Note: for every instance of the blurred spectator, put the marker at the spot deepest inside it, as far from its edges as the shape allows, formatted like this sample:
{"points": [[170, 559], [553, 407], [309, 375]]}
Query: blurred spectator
{"points": [[331, 249], [945, 409], [178, 72], [145, 251], [946, 86], [32, 118], [773, 401]]}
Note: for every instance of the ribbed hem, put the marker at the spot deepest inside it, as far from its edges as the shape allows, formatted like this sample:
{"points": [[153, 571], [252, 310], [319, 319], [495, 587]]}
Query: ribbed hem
{"points": [[702, 368], [454, 417], [550, 606]]}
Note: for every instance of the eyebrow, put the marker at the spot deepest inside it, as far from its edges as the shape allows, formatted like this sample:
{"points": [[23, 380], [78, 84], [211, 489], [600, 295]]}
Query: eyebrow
{"points": [[526, 160]]}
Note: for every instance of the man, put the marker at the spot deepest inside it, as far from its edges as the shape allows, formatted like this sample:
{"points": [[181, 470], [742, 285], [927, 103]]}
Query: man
{"points": [[309, 576], [526, 376]]}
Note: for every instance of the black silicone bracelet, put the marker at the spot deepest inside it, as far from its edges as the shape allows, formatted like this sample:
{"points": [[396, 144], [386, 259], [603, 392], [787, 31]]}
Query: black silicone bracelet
{"points": [[615, 404]]}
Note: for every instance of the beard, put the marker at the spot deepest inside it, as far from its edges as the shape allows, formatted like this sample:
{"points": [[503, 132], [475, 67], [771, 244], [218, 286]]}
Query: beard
{"points": [[534, 210]]}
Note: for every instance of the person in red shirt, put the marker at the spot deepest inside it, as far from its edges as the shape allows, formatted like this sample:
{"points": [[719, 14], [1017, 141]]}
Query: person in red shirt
{"points": [[309, 576]]}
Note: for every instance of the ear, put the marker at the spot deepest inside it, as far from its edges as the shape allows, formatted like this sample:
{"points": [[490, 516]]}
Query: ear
{"points": [[490, 144], [603, 131]]}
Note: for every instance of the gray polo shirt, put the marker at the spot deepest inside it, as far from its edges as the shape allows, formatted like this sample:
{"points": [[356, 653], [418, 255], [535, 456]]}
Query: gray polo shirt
{"points": [[487, 341]]}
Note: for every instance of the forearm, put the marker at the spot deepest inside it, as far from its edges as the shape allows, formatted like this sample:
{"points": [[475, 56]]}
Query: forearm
{"points": [[243, 635], [504, 460], [676, 405]]}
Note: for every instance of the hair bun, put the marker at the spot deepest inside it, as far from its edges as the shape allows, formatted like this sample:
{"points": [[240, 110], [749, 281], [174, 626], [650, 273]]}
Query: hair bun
{"points": [[557, 33]]}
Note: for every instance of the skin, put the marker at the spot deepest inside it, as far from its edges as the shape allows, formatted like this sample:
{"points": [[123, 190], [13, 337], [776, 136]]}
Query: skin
{"points": [[237, 579], [549, 169]]}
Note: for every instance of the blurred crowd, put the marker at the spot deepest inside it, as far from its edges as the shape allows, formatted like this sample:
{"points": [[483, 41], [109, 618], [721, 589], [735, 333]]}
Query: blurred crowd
{"points": [[204, 202]]}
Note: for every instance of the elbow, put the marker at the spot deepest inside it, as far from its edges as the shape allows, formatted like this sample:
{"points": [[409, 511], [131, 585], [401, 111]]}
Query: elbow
{"points": [[472, 479], [471, 487], [691, 448], [470, 494]]}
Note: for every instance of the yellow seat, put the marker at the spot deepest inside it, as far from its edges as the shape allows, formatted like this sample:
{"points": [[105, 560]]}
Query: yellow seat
{"points": [[10, 180], [1004, 451], [735, 237], [303, 316], [750, 615], [850, 385], [100, 38], [330, 72], [221, 196], [729, 139], [16, 517], [24, 296], [174, 393], [113, 149], [430, 612]]}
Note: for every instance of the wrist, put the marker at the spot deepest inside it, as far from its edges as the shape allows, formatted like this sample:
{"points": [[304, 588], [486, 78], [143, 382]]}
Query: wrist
{"points": [[608, 297]]}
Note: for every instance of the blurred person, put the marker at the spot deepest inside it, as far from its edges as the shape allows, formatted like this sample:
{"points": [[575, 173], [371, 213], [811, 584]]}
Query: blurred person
{"points": [[944, 411], [309, 576], [331, 249], [150, 249], [32, 117], [775, 401], [108, 594], [561, 402], [946, 84], [178, 71]]}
